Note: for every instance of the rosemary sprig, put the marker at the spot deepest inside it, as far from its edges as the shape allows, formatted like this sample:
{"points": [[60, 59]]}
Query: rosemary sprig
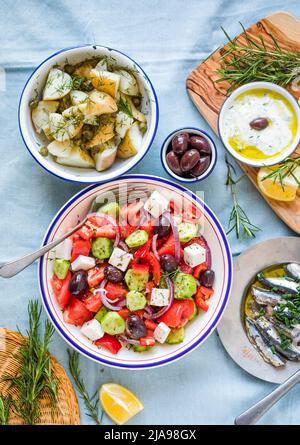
{"points": [[238, 219], [35, 376], [283, 170], [5, 405], [253, 60], [90, 402]]}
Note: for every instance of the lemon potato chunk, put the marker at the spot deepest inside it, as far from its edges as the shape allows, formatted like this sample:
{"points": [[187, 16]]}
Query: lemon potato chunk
{"points": [[60, 149], [131, 143], [136, 114], [78, 97], [274, 189], [100, 103], [77, 158], [83, 70], [105, 81], [104, 133], [106, 155], [123, 123], [40, 114], [58, 85], [128, 83], [63, 128]]}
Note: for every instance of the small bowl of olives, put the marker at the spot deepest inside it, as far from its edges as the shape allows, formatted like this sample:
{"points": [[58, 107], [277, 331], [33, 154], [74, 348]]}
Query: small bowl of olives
{"points": [[189, 154]]}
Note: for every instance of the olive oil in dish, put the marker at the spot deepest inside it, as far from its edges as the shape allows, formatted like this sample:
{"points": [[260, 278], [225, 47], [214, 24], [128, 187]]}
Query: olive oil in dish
{"points": [[260, 124]]}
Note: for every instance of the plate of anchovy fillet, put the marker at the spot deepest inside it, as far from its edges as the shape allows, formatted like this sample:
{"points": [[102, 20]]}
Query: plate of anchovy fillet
{"points": [[260, 329]]}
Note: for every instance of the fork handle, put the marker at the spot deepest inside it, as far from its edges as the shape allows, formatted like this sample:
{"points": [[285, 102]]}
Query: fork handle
{"points": [[12, 268], [253, 414]]}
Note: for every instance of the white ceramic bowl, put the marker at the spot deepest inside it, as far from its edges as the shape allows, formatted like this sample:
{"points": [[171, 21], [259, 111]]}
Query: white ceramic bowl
{"points": [[36, 82], [259, 85], [196, 331], [198, 132]]}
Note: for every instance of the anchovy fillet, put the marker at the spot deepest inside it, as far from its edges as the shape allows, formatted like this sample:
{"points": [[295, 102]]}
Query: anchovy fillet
{"points": [[293, 269], [267, 329], [264, 297], [293, 333], [283, 284], [262, 346]]}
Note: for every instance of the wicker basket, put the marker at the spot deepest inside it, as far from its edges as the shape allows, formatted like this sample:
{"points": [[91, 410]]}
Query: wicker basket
{"points": [[67, 411]]}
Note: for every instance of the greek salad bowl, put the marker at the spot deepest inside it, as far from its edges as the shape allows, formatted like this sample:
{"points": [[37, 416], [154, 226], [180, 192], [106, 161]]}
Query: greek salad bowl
{"points": [[88, 114], [144, 281]]}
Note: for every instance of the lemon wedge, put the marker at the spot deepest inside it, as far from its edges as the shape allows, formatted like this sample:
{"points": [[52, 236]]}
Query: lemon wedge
{"points": [[274, 189], [119, 403]]}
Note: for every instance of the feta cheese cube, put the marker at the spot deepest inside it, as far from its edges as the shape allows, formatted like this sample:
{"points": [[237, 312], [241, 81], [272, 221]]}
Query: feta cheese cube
{"points": [[156, 204], [64, 250], [194, 255], [161, 332], [83, 263], [120, 259], [159, 297], [92, 329]]}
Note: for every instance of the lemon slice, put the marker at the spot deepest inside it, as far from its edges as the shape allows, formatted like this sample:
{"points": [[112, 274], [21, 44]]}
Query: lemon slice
{"points": [[119, 403], [274, 189]]}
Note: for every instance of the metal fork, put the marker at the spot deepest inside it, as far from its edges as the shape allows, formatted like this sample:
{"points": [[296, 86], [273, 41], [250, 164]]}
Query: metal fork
{"points": [[11, 268]]}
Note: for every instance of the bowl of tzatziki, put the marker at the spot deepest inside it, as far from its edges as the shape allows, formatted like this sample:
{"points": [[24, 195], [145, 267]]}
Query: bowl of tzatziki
{"points": [[259, 124]]}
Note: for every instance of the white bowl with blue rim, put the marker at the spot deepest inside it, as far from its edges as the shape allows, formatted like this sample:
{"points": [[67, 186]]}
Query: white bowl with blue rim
{"points": [[35, 85], [196, 332], [193, 131]]}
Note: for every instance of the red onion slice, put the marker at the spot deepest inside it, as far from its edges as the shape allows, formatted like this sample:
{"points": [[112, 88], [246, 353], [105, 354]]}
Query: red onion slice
{"points": [[165, 308], [173, 223], [106, 301], [130, 341], [154, 249], [208, 253], [123, 246]]}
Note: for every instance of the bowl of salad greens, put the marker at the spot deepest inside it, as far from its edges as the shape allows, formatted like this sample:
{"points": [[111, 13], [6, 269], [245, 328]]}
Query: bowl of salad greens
{"points": [[144, 280], [88, 114]]}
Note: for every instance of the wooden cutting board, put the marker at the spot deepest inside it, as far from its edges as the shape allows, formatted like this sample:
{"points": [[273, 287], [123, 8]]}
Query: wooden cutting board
{"points": [[209, 96]]}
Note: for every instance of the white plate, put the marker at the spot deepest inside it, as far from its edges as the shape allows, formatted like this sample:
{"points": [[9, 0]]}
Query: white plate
{"points": [[231, 329]]}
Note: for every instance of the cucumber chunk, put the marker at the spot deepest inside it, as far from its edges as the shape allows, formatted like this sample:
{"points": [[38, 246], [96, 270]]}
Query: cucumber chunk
{"points": [[185, 286], [111, 208], [137, 238], [61, 268], [102, 248], [112, 323], [187, 231], [136, 280], [140, 348], [176, 336], [135, 300], [100, 314]]}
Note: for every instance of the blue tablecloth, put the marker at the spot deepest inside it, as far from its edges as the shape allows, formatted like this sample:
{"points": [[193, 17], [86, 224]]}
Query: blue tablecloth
{"points": [[168, 38]]}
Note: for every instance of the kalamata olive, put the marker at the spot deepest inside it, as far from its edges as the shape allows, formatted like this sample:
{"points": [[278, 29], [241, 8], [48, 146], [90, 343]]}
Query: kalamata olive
{"points": [[113, 274], [201, 166], [207, 278], [173, 163], [189, 160], [259, 123], [136, 327], [168, 262], [200, 143], [180, 143], [163, 227], [78, 283]]}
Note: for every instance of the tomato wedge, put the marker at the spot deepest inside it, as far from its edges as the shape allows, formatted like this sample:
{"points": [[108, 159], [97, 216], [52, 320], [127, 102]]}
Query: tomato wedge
{"points": [[155, 265], [107, 231], [80, 247], [109, 342], [61, 289], [115, 291], [96, 275], [93, 302], [131, 214], [76, 312], [199, 269], [179, 313]]}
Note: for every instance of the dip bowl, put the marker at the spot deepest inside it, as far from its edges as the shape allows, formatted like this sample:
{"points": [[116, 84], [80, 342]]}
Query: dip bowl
{"points": [[272, 88]]}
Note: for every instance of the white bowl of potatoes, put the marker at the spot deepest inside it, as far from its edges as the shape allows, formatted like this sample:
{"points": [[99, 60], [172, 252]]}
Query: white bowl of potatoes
{"points": [[88, 114]]}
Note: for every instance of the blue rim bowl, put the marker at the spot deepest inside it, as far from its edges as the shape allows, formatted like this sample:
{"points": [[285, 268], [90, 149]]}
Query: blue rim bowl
{"points": [[33, 141], [191, 130]]}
